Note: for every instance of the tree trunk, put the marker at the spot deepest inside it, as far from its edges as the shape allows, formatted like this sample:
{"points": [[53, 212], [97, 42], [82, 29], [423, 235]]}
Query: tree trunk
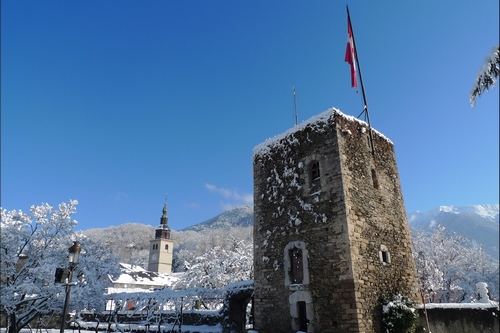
{"points": [[13, 324]]}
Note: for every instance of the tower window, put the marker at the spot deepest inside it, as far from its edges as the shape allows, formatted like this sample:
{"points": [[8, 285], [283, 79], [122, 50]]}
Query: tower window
{"points": [[296, 264], [315, 174], [384, 255], [297, 267], [166, 247]]}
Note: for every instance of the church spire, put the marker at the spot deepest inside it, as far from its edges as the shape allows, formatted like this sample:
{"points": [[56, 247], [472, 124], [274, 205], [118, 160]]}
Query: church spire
{"points": [[164, 218], [163, 231], [161, 248]]}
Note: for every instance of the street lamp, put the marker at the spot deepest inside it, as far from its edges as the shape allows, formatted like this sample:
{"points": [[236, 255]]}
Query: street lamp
{"points": [[74, 254]]}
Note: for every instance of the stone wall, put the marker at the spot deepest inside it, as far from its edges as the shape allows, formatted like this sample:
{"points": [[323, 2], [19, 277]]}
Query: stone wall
{"points": [[339, 222], [452, 320], [376, 220]]}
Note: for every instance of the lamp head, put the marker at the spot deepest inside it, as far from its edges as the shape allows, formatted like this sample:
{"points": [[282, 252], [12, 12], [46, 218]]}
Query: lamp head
{"points": [[74, 253]]}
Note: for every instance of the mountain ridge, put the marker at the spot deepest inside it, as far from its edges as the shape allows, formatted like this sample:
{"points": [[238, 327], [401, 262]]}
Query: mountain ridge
{"points": [[480, 223], [236, 217]]}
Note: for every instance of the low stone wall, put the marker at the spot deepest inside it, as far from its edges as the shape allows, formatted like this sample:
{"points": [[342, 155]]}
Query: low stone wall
{"points": [[49, 320], [209, 318], [448, 319]]}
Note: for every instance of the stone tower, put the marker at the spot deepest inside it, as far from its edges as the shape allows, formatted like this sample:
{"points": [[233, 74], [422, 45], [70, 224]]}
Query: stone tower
{"points": [[161, 247], [330, 229]]}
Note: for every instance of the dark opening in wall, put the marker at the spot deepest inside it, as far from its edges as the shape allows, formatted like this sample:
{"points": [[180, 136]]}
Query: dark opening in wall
{"points": [[374, 178], [315, 173], [302, 316], [297, 266], [384, 255]]}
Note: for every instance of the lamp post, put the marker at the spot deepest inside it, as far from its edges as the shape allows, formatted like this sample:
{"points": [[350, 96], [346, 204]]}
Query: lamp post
{"points": [[74, 254]]}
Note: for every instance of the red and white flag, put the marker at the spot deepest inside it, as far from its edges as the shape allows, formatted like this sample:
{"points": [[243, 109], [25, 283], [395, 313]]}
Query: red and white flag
{"points": [[350, 53]]}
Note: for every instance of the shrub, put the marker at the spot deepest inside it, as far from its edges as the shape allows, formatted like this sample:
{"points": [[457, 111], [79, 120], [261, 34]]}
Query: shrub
{"points": [[398, 314]]}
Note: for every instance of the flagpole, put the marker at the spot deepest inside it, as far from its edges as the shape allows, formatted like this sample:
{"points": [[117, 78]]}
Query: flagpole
{"points": [[365, 110], [295, 106]]}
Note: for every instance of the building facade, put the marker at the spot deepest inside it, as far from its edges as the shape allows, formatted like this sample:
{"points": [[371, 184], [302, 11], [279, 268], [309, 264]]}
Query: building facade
{"points": [[161, 247], [330, 230]]}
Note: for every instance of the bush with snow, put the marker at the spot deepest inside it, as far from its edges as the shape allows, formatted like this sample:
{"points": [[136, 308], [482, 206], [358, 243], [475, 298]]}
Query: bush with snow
{"points": [[398, 314]]}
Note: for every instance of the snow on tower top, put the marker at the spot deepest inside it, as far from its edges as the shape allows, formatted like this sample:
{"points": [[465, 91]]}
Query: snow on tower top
{"points": [[316, 122]]}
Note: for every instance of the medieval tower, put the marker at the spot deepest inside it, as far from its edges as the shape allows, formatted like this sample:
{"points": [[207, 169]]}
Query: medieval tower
{"points": [[330, 229], [161, 247]]}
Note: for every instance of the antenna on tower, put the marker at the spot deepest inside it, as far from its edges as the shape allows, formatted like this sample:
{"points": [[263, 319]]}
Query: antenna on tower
{"points": [[295, 106]]}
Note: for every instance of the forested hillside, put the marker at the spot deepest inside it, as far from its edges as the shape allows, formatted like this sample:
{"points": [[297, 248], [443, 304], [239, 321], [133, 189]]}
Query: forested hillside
{"points": [[130, 242], [220, 251]]}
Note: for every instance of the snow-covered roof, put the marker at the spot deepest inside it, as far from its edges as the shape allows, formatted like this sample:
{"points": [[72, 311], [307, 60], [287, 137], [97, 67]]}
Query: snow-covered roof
{"points": [[490, 304], [136, 275], [316, 122]]}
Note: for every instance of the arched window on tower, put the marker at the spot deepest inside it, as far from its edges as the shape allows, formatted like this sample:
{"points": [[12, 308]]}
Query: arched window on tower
{"points": [[315, 173], [296, 266], [314, 177], [166, 247]]}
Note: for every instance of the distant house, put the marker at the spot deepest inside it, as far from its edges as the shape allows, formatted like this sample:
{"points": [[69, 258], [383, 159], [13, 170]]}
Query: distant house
{"points": [[136, 278], [159, 275]]}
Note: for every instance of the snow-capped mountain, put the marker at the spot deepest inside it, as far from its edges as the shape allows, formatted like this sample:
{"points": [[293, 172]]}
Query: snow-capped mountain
{"points": [[236, 217], [479, 223]]}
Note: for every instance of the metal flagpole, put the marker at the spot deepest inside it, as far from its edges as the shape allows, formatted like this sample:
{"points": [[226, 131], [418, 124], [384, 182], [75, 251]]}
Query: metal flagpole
{"points": [[365, 110], [295, 107]]}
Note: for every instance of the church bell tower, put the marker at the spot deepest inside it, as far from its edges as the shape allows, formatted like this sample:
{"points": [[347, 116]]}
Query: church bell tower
{"points": [[161, 247]]}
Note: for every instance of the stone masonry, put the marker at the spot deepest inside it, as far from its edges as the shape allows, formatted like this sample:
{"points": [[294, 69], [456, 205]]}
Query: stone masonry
{"points": [[330, 229]]}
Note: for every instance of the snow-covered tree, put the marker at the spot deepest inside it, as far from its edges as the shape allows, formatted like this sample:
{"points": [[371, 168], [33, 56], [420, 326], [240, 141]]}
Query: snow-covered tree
{"points": [[94, 267], [32, 246], [488, 74], [129, 241], [449, 266], [219, 265], [192, 244]]}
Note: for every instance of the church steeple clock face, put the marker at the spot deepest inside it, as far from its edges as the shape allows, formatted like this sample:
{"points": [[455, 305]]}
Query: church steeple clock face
{"points": [[154, 256]]}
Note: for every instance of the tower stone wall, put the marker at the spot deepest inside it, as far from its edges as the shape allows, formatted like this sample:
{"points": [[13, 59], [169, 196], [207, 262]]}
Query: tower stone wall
{"points": [[330, 229]]}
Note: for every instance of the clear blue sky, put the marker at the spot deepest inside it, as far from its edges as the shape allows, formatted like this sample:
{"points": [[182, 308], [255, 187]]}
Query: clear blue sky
{"points": [[118, 103]]}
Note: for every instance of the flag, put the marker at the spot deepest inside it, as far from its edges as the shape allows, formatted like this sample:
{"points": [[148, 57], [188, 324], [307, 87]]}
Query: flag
{"points": [[350, 53]]}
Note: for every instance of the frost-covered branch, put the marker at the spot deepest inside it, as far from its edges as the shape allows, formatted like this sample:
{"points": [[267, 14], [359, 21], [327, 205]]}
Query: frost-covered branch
{"points": [[33, 245], [488, 74], [217, 266], [449, 266]]}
